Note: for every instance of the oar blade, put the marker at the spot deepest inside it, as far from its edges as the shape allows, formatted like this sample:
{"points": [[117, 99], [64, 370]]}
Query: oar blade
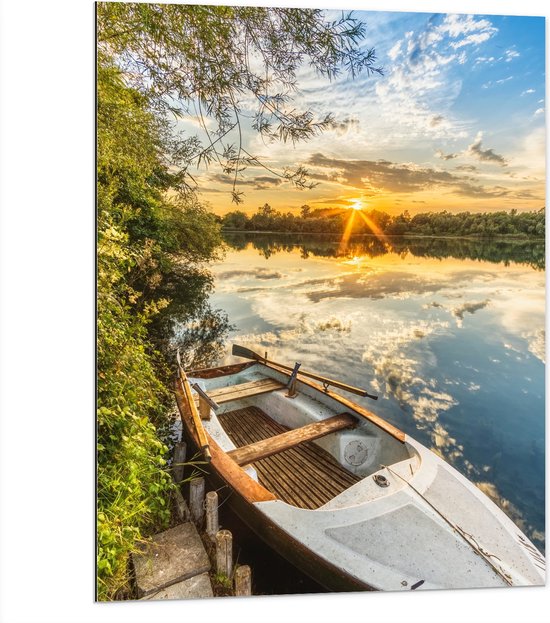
{"points": [[241, 351]]}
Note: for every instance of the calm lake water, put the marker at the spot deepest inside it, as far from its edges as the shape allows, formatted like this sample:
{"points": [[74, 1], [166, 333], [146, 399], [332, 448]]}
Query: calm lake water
{"points": [[448, 333]]}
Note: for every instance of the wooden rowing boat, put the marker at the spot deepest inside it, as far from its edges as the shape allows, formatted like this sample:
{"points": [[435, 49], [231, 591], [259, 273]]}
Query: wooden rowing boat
{"points": [[341, 493]]}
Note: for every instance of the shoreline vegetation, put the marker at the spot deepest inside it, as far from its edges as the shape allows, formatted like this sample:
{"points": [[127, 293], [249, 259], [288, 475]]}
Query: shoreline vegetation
{"points": [[478, 225], [480, 237]]}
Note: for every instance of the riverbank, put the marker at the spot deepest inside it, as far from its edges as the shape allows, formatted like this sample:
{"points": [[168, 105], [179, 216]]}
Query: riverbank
{"points": [[504, 237]]}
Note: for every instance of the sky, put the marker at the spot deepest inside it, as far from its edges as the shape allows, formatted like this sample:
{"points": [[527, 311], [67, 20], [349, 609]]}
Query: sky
{"points": [[456, 122]]}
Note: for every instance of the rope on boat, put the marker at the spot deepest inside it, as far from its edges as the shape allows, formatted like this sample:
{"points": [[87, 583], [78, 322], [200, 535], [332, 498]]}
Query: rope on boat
{"points": [[470, 540]]}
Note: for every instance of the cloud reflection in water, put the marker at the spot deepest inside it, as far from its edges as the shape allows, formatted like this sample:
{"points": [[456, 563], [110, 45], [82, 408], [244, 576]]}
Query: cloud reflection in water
{"points": [[420, 332]]}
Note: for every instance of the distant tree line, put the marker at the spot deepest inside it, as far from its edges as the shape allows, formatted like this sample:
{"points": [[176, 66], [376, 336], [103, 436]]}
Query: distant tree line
{"points": [[481, 224]]}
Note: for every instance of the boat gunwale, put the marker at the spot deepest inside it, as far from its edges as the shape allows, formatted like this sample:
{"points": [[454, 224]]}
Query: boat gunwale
{"points": [[217, 371]]}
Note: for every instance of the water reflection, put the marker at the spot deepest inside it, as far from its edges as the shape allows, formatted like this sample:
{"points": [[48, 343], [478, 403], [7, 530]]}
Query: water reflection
{"points": [[488, 250], [189, 322], [450, 334]]}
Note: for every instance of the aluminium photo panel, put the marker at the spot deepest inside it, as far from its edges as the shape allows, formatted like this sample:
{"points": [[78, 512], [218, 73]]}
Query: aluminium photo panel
{"points": [[320, 301]]}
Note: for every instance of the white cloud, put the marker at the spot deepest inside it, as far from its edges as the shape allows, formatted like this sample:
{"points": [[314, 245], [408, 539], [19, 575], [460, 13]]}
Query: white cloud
{"points": [[501, 81], [527, 92], [395, 51], [536, 343], [471, 40], [473, 31], [421, 84], [539, 111], [523, 315], [485, 59], [511, 54], [531, 156], [456, 25]]}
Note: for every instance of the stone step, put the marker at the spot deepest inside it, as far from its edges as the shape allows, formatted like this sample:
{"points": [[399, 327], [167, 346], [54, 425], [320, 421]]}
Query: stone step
{"points": [[196, 587], [172, 557]]}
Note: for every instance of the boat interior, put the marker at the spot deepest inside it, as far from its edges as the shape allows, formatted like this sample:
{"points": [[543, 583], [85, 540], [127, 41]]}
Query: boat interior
{"points": [[306, 449]]}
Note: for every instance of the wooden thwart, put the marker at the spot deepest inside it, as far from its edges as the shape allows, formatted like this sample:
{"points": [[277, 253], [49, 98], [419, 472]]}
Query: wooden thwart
{"points": [[368, 415], [290, 439], [244, 390], [306, 476]]}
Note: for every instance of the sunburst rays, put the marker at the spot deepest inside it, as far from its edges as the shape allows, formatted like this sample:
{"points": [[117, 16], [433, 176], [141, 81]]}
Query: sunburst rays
{"points": [[376, 230], [357, 208], [347, 232]]}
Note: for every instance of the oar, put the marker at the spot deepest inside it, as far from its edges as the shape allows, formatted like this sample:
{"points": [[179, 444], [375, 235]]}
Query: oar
{"points": [[195, 417], [241, 351]]}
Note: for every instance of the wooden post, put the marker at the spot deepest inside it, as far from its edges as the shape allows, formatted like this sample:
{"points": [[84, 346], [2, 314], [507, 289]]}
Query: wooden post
{"points": [[181, 505], [212, 522], [204, 409], [243, 581], [180, 453], [196, 499], [224, 553]]}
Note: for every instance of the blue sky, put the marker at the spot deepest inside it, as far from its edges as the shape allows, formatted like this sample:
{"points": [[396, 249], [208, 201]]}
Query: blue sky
{"points": [[456, 122]]}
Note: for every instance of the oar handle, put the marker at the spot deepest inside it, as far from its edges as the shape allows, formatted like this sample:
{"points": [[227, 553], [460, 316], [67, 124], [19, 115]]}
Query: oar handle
{"points": [[211, 403]]}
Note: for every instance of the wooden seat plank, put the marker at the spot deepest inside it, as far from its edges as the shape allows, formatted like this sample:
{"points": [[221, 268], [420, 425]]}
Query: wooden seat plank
{"points": [[284, 441], [244, 390]]}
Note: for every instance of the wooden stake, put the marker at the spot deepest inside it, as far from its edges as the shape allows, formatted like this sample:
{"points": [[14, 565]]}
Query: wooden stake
{"points": [[243, 581], [196, 499], [181, 506], [212, 522], [224, 553], [180, 453]]}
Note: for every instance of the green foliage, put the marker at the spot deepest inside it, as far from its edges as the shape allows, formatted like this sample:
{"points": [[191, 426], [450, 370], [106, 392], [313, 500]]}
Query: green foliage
{"points": [[477, 224], [235, 220], [145, 238], [132, 485], [207, 60], [482, 224]]}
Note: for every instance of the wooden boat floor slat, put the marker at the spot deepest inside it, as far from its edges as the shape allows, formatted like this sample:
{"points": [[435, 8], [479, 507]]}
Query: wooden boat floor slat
{"points": [[305, 476]]}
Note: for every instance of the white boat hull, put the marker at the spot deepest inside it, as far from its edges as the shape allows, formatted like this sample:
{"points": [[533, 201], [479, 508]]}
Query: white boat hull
{"points": [[429, 528]]}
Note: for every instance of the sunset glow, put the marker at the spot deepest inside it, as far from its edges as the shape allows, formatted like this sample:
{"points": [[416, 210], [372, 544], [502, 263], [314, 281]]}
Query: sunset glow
{"points": [[376, 230], [432, 133], [356, 208], [347, 232]]}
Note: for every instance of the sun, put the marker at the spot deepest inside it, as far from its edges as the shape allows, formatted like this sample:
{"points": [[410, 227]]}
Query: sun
{"points": [[356, 209]]}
